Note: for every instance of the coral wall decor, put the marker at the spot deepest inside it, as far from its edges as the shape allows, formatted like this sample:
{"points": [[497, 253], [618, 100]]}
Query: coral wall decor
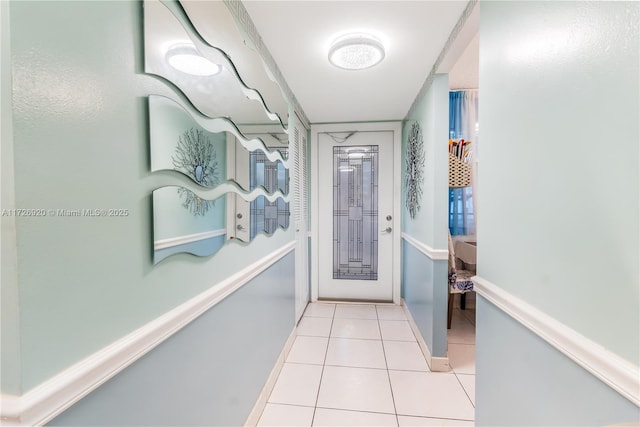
{"points": [[414, 173]]}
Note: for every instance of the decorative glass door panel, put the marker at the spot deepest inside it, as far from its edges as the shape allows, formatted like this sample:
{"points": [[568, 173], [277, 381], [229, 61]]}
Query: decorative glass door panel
{"points": [[267, 216], [355, 212]]}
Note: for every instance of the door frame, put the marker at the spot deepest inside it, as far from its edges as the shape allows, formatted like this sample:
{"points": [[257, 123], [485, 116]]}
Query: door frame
{"points": [[396, 129]]}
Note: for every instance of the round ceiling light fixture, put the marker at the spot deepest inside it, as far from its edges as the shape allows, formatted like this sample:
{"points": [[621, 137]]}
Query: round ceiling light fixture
{"points": [[356, 51], [187, 59]]}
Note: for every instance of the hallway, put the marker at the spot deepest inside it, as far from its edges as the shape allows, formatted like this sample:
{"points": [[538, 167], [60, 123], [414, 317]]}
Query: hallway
{"points": [[360, 365]]}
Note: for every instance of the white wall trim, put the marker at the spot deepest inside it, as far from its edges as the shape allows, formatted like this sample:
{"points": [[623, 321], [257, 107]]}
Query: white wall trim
{"points": [[436, 364], [49, 399], [434, 254], [618, 373], [261, 402], [10, 409], [187, 238]]}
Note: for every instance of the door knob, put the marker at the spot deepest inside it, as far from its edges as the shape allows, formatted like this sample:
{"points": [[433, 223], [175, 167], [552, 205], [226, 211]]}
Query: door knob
{"points": [[240, 227], [387, 230]]}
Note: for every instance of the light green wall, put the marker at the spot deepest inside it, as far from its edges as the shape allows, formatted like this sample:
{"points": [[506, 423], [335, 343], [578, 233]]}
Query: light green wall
{"points": [[81, 141], [432, 113], [9, 293], [558, 176]]}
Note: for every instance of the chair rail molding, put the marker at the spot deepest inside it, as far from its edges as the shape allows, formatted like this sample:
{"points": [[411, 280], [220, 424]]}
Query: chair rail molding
{"points": [[434, 254], [52, 397], [618, 373]]}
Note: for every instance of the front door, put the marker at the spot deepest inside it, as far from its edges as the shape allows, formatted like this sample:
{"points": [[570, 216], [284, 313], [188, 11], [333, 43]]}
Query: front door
{"points": [[356, 215]]}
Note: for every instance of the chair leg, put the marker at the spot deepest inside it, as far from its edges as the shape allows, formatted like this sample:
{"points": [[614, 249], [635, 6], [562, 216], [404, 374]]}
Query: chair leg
{"points": [[463, 301], [450, 310]]}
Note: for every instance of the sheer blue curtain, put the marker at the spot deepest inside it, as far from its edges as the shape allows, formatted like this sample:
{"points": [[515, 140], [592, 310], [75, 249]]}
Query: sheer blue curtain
{"points": [[463, 125]]}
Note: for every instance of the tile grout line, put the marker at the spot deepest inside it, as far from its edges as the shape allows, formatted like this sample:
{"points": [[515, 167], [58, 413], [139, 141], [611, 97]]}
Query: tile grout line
{"points": [[467, 393], [457, 374], [384, 353], [326, 351]]}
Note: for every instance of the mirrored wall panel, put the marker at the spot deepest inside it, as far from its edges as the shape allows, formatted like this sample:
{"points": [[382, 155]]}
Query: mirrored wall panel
{"points": [[210, 155], [259, 216], [223, 123], [267, 217], [206, 75], [184, 222], [215, 23]]}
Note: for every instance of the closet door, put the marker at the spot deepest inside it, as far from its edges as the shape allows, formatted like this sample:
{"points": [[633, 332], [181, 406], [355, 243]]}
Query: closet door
{"points": [[301, 212]]}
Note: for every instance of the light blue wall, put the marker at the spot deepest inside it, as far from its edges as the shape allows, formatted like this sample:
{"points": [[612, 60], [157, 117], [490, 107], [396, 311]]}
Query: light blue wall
{"points": [[558, 202], [211, 372], [426, 296], [522, 381], [81, 140], [432, 114], [558, 174], [424, 281]]}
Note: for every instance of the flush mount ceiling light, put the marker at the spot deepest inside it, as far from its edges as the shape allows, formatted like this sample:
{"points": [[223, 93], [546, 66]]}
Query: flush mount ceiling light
{"points": [[186, 58], [356, 51]]}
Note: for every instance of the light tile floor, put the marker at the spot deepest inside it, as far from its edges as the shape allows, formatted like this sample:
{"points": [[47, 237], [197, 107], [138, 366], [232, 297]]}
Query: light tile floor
{"points": [[360, 365]]}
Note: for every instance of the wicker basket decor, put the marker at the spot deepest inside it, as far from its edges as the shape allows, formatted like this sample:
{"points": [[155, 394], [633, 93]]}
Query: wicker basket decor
{"points": [[459, 172]]}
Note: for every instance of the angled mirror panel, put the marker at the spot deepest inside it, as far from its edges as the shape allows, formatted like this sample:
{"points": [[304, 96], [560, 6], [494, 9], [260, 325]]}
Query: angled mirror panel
{"points": [[267, 217], [185, 223], [179, 143], [208, 153], [262, 215], [272, 136], [263, 173], [204, 74], [255, 169], [216, 24]]}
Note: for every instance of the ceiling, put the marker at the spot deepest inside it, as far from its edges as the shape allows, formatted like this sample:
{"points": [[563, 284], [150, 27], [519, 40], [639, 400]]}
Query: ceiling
{"points": [[464, 73], [298, 35]]}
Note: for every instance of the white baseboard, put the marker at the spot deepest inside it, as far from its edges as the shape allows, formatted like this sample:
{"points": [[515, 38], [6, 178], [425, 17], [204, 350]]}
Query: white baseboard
{"points": [[434, 254], [618, 373], [51, 398], [258, 408], [436, 364], [440, 364]]}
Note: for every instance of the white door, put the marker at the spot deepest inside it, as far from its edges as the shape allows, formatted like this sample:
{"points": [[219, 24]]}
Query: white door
{"points": [[357, 215], [300, 218]]}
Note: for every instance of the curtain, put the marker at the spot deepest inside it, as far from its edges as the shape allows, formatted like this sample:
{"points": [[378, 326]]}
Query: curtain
{"points": [[463, 141]]}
